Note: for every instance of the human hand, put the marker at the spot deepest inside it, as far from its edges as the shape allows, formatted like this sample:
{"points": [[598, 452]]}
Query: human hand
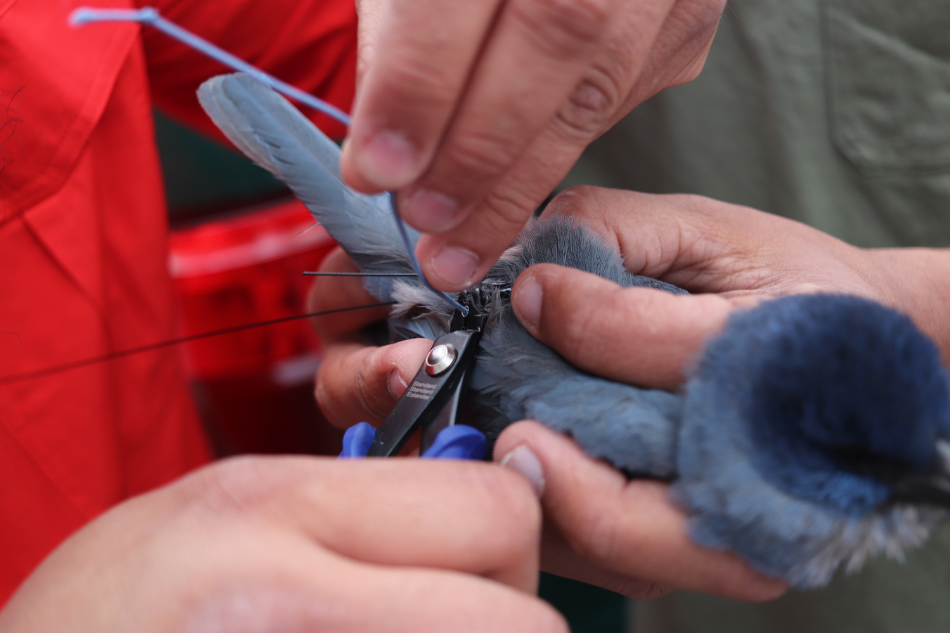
{"points": [[476, 110], [732, 256], [302, 544], [738, 257], [635, 537]]}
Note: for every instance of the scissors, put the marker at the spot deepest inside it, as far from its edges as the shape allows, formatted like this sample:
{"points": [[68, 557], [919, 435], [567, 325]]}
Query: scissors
{"points": [[433, 399]]}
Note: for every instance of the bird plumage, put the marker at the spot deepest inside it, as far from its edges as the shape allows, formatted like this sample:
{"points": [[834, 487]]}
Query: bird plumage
{"points": [[812, 408], [811, 434]]}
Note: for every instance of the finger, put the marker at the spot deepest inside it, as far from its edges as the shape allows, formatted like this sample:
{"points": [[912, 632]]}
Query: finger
{"points": [[629, 527], [465, 516], [356, 383], [559, 559], [680, 50], [536, 54], [693, 242], [348, 596], [704, 245], [335, 293], [369, 14], [639, 336], [450, 602], [423, 55], [454, 259]]}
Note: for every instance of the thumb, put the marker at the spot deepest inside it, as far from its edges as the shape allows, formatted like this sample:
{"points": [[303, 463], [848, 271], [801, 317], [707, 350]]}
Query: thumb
{"points": [[638, 336], [619, 530]]}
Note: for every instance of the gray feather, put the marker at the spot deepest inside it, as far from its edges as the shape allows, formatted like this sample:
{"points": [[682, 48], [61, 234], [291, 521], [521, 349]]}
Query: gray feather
{"points": [[273, 133]]}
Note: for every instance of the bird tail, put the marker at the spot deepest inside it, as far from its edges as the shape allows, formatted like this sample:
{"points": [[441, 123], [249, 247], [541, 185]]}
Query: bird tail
{"points": [[276, 136]]}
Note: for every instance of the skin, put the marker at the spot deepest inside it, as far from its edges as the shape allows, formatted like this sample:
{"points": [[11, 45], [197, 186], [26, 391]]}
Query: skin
{"points": [[475, 111], [302, 544], [731, 256], [623, 535]]}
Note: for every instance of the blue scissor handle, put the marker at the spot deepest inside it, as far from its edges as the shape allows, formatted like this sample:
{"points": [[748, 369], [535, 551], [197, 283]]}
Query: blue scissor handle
{"points": [[454, 442], [357, 440], [457, 442]]}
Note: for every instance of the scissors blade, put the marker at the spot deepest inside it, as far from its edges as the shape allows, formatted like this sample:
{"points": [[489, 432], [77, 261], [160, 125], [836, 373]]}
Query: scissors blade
{"points": [[427, 395], [446, 417]]}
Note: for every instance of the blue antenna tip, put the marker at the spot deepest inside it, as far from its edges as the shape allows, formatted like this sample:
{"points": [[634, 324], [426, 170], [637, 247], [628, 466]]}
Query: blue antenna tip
{"points": [[88, 15], [82, 16]]}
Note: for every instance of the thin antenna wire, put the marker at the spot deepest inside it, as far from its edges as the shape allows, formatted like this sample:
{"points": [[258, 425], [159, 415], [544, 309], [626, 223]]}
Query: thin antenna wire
{"points": [[415, 262], [313, 274], [56, 369], [150, 16]]}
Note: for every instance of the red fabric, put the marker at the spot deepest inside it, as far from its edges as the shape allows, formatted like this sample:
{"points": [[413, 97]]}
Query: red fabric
{"points": [[83, 244]]}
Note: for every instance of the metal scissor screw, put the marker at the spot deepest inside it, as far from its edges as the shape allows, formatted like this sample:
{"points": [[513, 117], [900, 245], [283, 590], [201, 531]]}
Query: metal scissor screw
{"points": [[440, 358]]}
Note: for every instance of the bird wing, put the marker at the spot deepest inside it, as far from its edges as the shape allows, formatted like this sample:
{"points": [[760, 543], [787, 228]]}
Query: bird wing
{"points": [[276, 136]]}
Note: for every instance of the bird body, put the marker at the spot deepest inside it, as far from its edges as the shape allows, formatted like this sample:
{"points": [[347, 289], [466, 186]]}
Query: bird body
{"points": [[813, 433]]}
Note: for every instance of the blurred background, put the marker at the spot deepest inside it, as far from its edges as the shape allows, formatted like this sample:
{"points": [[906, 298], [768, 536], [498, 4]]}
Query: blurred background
{"points": [[239, 245]]}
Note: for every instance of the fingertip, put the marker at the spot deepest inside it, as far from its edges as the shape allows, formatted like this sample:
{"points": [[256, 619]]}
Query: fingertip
{"points": [[527, 296], [551, 449], [514, 435], [404, 360], [382, 160], [522, 460], [449, 267], [765, 589], [429, 210], [397, 384]]}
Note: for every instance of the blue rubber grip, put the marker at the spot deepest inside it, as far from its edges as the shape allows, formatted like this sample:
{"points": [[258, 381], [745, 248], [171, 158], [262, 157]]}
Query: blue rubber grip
{"points": [[455, 442], [357, 440], [458, 442]]}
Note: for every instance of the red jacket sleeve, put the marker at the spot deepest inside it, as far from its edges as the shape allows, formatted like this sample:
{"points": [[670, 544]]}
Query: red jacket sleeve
{"points": [[308, 43]]}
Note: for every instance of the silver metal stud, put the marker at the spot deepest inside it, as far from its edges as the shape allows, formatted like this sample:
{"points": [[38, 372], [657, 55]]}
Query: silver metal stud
{"points": [[440, 358]]}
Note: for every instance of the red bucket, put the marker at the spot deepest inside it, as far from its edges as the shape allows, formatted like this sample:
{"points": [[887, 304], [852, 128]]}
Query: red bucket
{"points": [[254, 386]]}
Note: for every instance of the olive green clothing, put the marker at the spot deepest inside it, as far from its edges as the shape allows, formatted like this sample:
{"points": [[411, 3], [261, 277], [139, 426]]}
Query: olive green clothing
{"points": [[832, 112], [835, 113]]}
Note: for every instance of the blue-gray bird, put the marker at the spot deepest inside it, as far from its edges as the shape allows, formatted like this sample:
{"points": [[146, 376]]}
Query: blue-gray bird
{"points": [[814, 433]]}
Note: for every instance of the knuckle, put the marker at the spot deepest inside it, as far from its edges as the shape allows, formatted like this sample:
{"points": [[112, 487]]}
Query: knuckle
{"points": [[373, 397], [637, 588], [238, 484], [515, 504], [698, 17], [364, 57], [324, 395], [481, 154], [595, 536], [546, 620], [573, 201], [425, 86], [503, 215], [591, 105], [566, 23], [574, 321]]}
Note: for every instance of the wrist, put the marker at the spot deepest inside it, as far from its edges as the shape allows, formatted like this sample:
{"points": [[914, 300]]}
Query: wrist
{"points": [[919, 286]]}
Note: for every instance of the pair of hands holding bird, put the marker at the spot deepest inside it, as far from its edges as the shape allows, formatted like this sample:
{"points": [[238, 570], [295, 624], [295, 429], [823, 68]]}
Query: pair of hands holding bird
{"points": [[598, 526]]}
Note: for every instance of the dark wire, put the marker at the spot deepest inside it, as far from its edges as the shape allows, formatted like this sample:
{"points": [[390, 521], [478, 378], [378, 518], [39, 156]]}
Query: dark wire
{"points": [[319, 274], [6, 380]]}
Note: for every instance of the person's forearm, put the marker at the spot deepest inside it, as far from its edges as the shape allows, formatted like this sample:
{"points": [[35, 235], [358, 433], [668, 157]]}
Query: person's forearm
{"points": [[921, 287]]}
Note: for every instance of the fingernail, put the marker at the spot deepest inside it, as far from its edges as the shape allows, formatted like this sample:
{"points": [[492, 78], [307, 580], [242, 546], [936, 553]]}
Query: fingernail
{"points": [[527, 302], [387, 160], [456, 266], [397, 386], [522, 460], [430, 211]]}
